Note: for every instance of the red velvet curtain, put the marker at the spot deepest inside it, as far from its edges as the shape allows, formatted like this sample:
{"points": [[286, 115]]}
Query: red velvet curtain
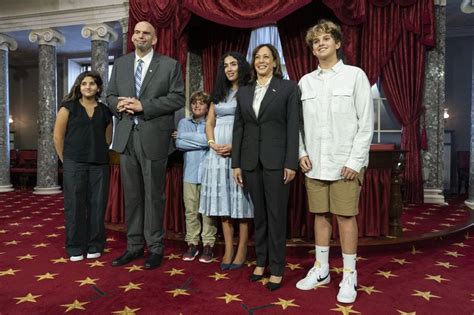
{"points": [[244, 13], [298, 56], [403, 86], [216, 40], [169, 19]]}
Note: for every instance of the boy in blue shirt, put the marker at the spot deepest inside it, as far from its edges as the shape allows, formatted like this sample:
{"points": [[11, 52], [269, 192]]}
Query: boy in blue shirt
{"points": [[191, 138]]}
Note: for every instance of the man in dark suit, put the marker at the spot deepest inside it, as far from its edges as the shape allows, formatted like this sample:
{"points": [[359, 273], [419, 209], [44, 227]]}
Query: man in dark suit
{"points": [[144, 91], [265, 155]]}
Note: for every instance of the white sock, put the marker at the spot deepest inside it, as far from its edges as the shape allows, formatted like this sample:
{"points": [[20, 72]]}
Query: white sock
{"points": [[349, 261], [322, 255]]}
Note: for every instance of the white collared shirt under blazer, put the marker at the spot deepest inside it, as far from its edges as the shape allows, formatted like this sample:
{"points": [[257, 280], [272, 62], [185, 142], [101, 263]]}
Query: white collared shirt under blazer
{"points": [[338, 120]]}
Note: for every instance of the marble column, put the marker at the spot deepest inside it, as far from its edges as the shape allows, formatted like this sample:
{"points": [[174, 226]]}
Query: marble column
{"points": [[434, 102], [124, 24], [6, 43], [47, 174], [101, 35], [470, 200]]}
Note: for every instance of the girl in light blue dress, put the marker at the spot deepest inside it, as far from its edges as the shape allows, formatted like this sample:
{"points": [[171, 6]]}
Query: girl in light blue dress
{"points": [[220, 196]]}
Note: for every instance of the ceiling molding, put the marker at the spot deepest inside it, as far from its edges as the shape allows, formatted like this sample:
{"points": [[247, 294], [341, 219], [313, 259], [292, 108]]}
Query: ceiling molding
{"points": [[97, 14]]}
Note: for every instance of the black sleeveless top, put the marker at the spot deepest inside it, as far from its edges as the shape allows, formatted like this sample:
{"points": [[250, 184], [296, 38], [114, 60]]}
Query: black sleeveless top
{"points": [[85, 137]]}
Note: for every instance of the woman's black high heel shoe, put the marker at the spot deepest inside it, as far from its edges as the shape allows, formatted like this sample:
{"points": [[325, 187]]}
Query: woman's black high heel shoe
{"points": [[255, 278], [273, 286]]}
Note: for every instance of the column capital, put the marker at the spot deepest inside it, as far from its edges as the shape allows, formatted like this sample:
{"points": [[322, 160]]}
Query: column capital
{"points": [[124, 23], [47, 36], [7, 42], [100, 31]]}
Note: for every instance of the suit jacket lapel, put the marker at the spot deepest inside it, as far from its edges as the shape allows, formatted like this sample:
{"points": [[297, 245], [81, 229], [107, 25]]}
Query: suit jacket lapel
{"points": [[249, 99], [272, 91], [152, 69]]}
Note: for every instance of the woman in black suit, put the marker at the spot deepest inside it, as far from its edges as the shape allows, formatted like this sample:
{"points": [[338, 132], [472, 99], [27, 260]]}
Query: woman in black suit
{"points": [[265, 155]]}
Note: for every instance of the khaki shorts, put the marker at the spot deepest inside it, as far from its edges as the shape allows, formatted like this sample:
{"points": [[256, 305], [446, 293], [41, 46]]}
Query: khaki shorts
{"points": [[340, 197]]}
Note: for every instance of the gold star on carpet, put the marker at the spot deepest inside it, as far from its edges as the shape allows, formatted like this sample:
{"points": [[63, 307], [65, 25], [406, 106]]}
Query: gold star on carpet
{"points": [[337, 270], [386, 274], [436, 278], [414, 251], [3, 231], [9, 272], [461, 244], [40, 245], [48, 219], [14, 224], [427, 213], [345, 310], [87, 281], [27, 233], [406, 230], [177, 292], [264, 280], [61, 260], [134, 268], [110, 239], [453, 254], [52, 235], [446, 264], [434, 230], [131, 286], [173, 256], [218, 276], [27, 298], [107, 250], [127, 311], [76, 305], [229, 298], [413, 223], [392, 237], [368, 290], [46, 276], [312, 252], [472, 294], [400, 261], [405, 313], [251, 263], [61, 227], [14, 242], [38, 225], [425, 294], [419, 218], [27, 256], [293, 266], [214, 259], [452, 219], [285, 303], [36, 212], [96, 263], [360, 258], [174, 272], [467, 237]]}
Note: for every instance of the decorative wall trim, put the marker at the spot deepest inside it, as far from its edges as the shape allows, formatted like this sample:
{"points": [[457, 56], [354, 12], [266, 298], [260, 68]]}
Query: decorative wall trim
{"points": [[92, 15]]}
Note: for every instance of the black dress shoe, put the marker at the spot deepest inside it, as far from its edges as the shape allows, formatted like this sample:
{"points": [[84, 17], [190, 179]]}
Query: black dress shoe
{"points": [[255, 278], [272, 286], [153, 261], [126, 258]]}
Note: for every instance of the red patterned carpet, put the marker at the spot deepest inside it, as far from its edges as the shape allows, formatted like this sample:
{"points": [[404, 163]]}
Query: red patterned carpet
{"points": [[429, 277]]}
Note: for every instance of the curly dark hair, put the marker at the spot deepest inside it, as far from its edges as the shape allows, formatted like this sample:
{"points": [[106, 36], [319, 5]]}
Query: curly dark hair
{"points": [[75, 92], [222, 85]]}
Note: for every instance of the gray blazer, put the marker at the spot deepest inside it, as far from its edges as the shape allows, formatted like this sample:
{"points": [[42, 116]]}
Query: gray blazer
{"points": [[161, 94]]}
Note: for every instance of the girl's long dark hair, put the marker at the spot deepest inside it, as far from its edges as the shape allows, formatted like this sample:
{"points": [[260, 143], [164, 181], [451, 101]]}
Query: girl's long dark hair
{"points": [[222, 84], [75, 92]]}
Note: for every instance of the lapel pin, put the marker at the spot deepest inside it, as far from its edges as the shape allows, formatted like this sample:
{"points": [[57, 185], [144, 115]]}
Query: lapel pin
{"points": [[273, 90], [151, 70]]}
